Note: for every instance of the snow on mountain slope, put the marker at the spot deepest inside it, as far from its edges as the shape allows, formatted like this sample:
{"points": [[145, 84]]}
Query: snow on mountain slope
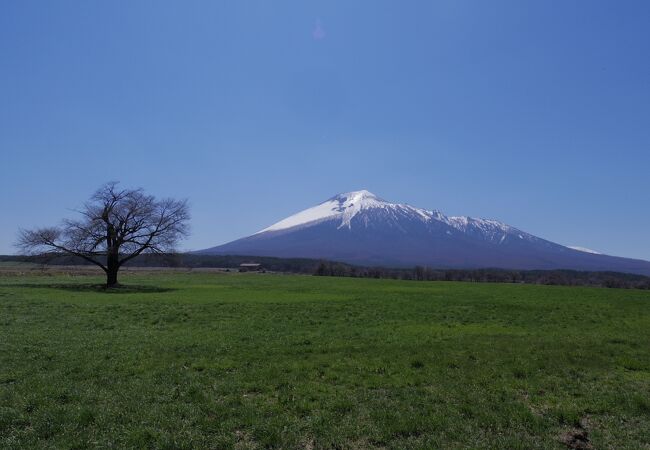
{"points": [[584, 249], [343, 207]]}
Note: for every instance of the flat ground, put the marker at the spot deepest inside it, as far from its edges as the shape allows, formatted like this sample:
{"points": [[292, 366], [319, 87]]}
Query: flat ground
{"points": [[272, 361]]}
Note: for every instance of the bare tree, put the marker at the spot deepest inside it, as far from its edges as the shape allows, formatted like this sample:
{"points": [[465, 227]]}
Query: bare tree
{"points": [[116, 226]]}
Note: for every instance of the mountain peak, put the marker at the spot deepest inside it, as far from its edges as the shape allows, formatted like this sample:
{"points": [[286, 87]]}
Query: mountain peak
{"points": [[356, 197], [345, 206]]}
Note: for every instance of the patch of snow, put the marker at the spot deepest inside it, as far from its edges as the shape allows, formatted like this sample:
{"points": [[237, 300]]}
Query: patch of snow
{"points": [[584, 250], [463, 223], [459, 222], [492, 230]]}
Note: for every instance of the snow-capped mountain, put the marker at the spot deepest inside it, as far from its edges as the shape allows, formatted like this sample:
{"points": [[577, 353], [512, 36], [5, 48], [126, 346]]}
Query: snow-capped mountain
{"points": [[360, 228]]}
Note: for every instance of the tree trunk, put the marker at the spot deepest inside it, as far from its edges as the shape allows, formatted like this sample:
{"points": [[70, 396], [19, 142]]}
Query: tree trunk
{"points": [[112, 266]]}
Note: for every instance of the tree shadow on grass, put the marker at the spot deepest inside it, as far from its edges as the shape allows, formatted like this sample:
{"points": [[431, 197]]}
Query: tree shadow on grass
{"points": [[90, 287]]}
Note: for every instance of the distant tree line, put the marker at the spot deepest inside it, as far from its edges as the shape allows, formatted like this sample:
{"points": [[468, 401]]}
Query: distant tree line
{"points": [[181, 260], [546, 277], [338, 269]]}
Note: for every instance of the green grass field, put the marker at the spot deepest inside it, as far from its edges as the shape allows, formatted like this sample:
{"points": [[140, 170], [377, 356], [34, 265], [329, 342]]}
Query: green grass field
{"points": [[272, 361]]}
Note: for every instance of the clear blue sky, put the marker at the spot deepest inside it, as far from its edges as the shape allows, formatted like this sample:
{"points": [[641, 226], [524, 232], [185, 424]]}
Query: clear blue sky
{"points": [[536, 113]]}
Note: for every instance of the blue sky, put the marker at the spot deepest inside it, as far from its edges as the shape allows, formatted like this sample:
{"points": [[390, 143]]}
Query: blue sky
{"points": [[536, 113]]}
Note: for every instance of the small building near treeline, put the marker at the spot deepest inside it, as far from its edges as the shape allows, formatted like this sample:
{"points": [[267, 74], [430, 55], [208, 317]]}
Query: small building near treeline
{"points": [[250, 267]]}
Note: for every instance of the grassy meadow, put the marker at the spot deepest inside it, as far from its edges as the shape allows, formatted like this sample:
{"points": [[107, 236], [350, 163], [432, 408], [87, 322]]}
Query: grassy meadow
{"points": [[208, 360]]}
